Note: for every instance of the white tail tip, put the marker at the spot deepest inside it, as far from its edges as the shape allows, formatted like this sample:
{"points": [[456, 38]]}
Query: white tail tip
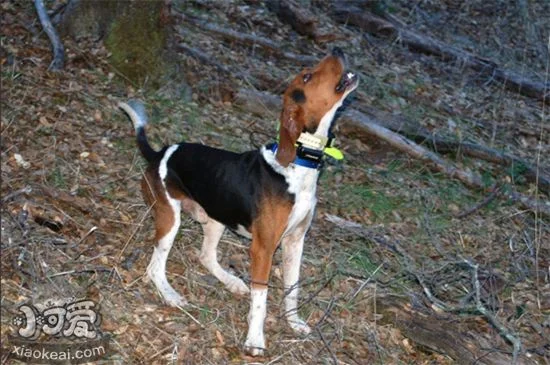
{"points": [[136, 112]]}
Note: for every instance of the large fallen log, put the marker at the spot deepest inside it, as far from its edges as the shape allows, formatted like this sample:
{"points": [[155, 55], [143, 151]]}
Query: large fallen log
{"points": [[350, 14], [354, 122], [261, 102]]}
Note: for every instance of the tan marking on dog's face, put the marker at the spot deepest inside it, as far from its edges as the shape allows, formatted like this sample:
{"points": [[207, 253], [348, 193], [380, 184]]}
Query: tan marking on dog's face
{"points": [[319, 91], [310, 95]]}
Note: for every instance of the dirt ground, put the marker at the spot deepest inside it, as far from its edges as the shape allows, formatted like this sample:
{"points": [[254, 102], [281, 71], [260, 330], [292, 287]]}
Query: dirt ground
{"points": [[74, 223]]}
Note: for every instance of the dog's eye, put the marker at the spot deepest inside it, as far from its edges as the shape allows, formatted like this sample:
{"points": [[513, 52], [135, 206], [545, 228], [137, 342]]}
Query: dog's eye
{"points": [[307, 77]]}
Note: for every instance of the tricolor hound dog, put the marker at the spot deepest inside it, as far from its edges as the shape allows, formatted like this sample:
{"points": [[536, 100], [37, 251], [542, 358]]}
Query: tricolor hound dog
{"points": [[267, 195]]}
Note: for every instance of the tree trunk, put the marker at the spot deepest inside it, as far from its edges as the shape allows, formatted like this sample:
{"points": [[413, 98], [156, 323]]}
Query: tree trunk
{"points": [[135, 33]]}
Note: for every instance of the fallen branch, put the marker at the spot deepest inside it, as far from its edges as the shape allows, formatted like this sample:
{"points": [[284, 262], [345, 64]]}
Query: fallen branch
{"points": [[204, 58], [26, 190], [295, 15], [488, 199], [481, 309], [252, 40], [93, 269], [478, 308], [58, 51], [438, 144], [349, 14], [352, 121], [488, 154], [403, 144]]}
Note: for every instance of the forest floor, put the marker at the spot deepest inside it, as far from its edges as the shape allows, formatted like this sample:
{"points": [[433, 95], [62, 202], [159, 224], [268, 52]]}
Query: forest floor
{"points": [[74, 223]]}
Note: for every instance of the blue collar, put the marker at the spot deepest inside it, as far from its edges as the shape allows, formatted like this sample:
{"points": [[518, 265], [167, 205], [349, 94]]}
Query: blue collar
{"points": [[298, 160]]}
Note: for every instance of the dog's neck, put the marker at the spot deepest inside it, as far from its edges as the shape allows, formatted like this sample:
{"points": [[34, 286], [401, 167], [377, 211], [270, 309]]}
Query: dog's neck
{"points": [[326, 121]]}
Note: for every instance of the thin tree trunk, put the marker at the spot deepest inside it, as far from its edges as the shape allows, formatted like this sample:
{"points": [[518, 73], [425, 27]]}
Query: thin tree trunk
{"points": [[58, 50]]}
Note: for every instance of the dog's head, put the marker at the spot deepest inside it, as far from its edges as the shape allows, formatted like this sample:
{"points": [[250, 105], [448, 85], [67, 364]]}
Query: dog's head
{"points": [[311, 100]]}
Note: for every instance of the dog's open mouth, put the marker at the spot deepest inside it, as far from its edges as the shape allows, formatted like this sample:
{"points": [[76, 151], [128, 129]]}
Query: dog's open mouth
{"points": [[349, 81]]}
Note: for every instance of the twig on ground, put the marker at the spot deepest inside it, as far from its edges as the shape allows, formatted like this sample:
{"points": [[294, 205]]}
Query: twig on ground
{"points": [[326, 312], [326, 345], [316, 292], [10, 196], [80, 271], [364, 283], [159, 352], [488, 199], [507, 334], [135, 230], [90, 231], [58, 50]]}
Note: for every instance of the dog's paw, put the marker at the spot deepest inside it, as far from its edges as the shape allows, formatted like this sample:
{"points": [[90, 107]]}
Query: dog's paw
{"points": [[173, 299], [254, 346], [176, 302], [299, 326], [237, 286]]}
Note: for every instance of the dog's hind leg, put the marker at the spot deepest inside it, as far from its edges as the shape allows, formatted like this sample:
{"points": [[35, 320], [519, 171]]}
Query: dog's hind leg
{"points": [[167, 212], [167, 219], [213, 231]]}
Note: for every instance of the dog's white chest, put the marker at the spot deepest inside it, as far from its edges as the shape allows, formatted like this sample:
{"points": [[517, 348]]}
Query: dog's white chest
{"points": [[302, 183]]}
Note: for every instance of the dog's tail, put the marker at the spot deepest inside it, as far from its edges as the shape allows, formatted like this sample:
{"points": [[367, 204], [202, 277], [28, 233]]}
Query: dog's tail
{"points": [[136, 111]]}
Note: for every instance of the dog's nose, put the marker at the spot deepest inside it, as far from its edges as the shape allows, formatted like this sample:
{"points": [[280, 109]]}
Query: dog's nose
{"points": [[337, 51]]}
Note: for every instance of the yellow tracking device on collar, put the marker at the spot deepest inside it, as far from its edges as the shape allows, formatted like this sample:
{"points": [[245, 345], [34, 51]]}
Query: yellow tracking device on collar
{"points": [[331, 151], [334, 152]]}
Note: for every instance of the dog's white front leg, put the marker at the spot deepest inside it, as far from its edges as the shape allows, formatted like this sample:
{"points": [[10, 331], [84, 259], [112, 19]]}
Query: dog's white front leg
{"points": [[255, 342], [293, 246]]}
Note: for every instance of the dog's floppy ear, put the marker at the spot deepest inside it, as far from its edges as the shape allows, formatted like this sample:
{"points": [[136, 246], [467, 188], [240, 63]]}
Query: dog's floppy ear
{"points": [[292, 124]]}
